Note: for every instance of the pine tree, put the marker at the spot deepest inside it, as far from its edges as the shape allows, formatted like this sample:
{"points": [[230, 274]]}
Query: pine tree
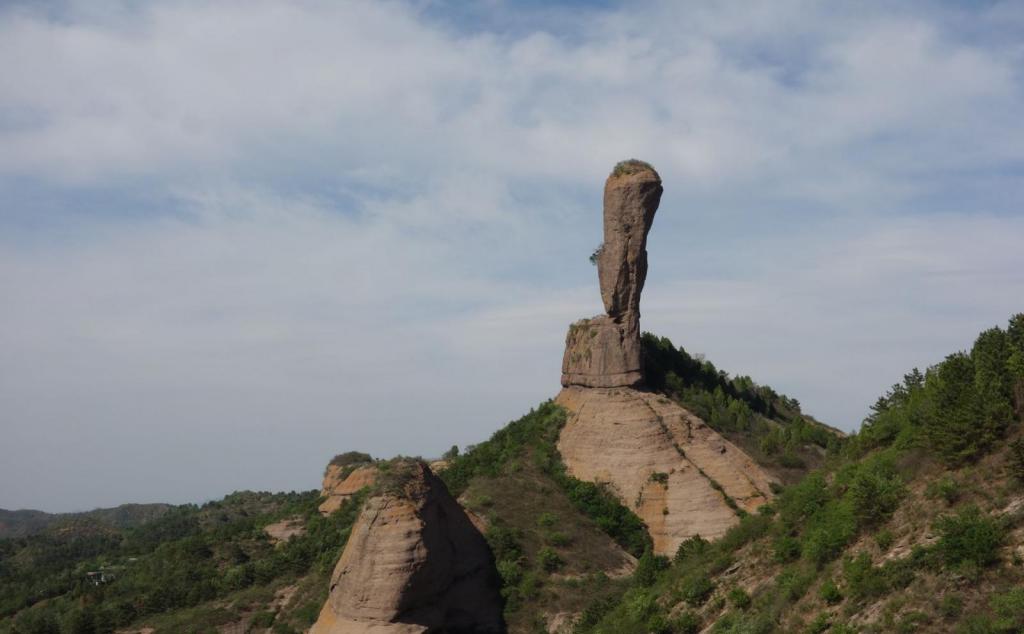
{"points": [[1015, 360], [992, 382], [953, 413]]}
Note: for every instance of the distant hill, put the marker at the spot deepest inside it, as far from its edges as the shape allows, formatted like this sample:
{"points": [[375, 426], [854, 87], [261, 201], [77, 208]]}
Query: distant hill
{"points": [[25, 522]]}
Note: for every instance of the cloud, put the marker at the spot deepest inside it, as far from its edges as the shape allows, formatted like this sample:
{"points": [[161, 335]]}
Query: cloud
{"points": [[242, 236]]}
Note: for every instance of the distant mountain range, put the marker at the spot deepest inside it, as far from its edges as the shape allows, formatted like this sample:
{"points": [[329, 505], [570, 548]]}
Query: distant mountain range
{"points": [[25, 522]]}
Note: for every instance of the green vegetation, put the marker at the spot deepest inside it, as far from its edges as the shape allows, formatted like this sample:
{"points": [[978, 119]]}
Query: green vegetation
{"points": [[768, 425], [179, 562], [25, 523], [970, 538], [349, 461], [548, 531], [960, 408], [533, 437], [631, 166]]}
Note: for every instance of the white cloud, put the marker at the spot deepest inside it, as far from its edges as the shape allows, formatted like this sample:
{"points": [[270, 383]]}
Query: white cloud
{"points": [[372, 224]]}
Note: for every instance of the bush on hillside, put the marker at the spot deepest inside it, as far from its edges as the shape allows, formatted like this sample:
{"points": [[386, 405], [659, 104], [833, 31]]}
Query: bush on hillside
{"points": [[969, 537]]}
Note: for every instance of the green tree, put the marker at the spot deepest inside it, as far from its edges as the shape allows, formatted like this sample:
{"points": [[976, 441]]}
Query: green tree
{"points": [[1015, 359], [953, 412], [992, 382]]}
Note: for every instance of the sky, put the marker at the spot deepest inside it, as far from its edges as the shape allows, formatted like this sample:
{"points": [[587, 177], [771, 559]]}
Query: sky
{"points": [[238, 237]]}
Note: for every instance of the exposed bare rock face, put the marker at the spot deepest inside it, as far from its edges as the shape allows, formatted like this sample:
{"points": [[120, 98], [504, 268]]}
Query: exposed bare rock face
{"points": [[604, 351], [341, 483], [599, 352], [413, 563], [679, 475], [631, 196]]}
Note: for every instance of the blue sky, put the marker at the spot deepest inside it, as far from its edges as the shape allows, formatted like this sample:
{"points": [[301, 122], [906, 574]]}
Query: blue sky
{"points": [[237, 238]]}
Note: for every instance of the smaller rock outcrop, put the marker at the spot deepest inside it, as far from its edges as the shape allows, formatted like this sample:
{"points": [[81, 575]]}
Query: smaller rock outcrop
{"points": [[341, 482], [604, 351], [413, 563]]}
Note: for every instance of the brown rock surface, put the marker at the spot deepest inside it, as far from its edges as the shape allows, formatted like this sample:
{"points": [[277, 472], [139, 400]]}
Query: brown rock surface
{"points": [[604, 351], [624, 437], [413, 563], [341, 483], [631, 196]]}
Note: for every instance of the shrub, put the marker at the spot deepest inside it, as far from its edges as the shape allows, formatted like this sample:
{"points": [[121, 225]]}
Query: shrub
{"points": [[750, 527], [884, 539], [829, 532], [1008, 609], [660, 477], [549, 559], [631, 166], [874, 491], [695, 545], [648, 567], [1016, 459], [863, 580], [350, 457], [696, 588], [547, 519], [951, 606], [790, 460], [739, 598], [945, 488], [785, 549], [830, 592], [504, 542], [687, 622], [969, 537], [262, 619], [511, 572], [793, 583], [819, 624], [558, 539]]}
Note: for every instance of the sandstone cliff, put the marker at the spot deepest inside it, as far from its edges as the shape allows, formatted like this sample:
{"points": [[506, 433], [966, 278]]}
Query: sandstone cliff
{"points": [[680, 476], [413, 563]]}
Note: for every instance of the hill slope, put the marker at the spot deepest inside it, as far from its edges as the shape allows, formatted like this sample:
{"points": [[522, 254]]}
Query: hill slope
{"points": [[915, 524]]}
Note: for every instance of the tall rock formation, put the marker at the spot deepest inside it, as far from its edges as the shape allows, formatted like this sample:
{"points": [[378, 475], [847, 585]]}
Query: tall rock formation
{"points": [[413, 563], [604, 351], [679, 475]]}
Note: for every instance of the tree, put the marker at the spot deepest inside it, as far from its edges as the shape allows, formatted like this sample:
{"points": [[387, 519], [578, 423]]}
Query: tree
{"points": [[992, 382], [1015, 360], [952, 411]]}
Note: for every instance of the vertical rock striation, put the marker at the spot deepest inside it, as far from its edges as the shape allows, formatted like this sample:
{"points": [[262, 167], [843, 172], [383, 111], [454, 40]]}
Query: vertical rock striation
{"points": [[604, 351]]}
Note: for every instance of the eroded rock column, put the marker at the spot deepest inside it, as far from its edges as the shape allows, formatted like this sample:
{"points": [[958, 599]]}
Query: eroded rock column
{"points": [[604, 351]]}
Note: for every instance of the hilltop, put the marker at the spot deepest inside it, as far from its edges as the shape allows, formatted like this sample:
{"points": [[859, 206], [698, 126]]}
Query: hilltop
{"points": [[24, 522]]}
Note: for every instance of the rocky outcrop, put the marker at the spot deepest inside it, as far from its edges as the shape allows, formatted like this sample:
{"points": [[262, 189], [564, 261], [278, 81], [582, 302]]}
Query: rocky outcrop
{"points": [[413, 563], [679, 475], [342, 482], [674, 471], [604, 351]]}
